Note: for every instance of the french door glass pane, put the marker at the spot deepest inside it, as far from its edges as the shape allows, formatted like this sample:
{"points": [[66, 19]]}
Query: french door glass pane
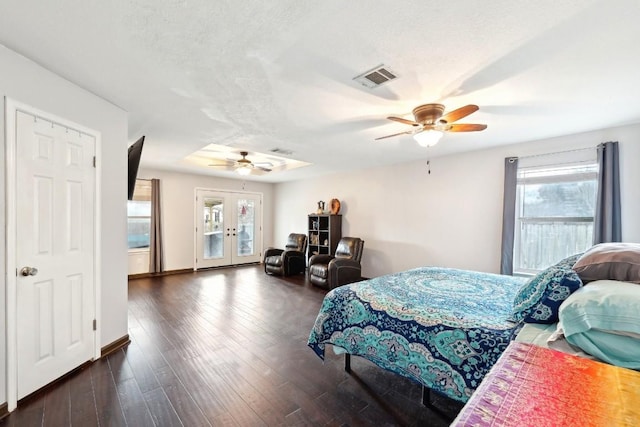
{"points": [[246, 227], [213, 242]]}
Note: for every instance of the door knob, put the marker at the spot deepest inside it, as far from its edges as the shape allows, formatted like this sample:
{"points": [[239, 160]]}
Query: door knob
{"points": [[28, 271]]}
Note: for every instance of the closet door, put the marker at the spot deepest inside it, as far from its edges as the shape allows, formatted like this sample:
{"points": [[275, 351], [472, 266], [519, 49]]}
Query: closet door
{"points": [[228, 228]]}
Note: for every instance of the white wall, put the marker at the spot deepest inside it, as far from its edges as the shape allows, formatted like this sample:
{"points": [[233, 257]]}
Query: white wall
{"points": [[138, 262], [452, 217], [28, 83], [178, 215]]}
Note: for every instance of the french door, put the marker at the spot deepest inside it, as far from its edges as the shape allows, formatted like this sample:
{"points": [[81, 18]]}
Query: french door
{"points": [[228, 228]]}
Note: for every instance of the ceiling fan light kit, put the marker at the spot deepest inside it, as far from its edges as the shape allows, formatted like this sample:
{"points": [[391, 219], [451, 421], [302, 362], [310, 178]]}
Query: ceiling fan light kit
{"points": [[428, 138], [244, 170]]}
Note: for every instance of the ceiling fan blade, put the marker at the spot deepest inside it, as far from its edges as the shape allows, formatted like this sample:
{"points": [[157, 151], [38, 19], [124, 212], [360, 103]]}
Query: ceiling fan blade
{"points": [[461, 112], [263, 169], [465, 127], [226, 164], [405, 121], [263, 164], [395, 134]]}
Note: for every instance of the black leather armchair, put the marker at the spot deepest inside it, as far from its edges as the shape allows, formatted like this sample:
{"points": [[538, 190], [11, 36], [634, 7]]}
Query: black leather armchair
{"points": [[332, 271], [287, 261]]}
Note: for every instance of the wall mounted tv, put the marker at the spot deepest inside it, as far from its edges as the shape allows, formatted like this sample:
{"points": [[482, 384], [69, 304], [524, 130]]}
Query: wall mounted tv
{"points": [[135, 152]]}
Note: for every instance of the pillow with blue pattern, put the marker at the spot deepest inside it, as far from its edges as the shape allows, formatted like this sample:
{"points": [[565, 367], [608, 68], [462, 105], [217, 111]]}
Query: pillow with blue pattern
{"points": [[539, 299]]}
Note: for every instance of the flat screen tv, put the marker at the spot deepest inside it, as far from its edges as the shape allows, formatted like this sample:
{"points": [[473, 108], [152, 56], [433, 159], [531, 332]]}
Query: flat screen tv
{"points": [[135, 152]]}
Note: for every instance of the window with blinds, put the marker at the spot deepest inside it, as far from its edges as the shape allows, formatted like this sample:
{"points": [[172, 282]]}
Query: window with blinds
{"points": [[139, 216], [555, 208]]}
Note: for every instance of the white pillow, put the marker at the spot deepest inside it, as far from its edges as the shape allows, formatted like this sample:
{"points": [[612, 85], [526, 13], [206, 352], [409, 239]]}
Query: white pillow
{"points": [[603, 319]]}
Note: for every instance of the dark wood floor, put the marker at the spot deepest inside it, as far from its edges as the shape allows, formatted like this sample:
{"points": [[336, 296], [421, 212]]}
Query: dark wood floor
{"points": [[226, 347]]}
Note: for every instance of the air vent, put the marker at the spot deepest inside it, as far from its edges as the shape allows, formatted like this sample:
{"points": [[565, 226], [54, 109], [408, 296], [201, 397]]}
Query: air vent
{"points": [[376, 76], [281, 151]]}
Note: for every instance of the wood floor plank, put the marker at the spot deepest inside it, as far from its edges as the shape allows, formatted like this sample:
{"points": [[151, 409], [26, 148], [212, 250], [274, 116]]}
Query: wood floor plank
{"points": [[57, 406], [161, 408], [202, 395], [83, 403], [227, 396], [142, 372], [120, 368], [311, 410], [106, 395], [31, 414], [188, 411], [133, 403]]}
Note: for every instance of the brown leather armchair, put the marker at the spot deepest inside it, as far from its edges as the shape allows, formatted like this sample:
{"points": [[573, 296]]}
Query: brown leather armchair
{"points": [[287, 261], [332, 271]]}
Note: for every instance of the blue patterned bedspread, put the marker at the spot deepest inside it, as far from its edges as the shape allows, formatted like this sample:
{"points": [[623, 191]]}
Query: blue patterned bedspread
{"points": [[441, 327]]}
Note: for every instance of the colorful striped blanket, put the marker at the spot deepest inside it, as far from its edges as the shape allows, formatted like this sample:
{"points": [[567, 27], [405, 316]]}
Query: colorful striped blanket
{"points": [[535, 386]]}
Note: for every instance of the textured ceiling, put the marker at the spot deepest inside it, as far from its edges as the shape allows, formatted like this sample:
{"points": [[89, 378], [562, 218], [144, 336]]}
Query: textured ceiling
{"points": [[257, 75]]}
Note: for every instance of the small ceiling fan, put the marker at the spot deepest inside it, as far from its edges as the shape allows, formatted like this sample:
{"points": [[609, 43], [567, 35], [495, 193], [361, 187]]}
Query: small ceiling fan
{"points": [[430, 123], [245, 166]]}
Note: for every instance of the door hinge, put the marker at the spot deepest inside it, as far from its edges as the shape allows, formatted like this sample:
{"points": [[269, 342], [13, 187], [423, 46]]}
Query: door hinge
{"points": [[94, 161], [95, 325]]}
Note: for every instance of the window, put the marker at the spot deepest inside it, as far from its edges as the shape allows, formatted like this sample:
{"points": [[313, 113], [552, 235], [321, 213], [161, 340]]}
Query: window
{"points": [[555, 206], [139, 216]]}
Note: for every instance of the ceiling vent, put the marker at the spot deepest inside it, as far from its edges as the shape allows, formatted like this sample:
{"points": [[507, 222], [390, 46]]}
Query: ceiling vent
{"points": [[281, 151], [376, 76]]}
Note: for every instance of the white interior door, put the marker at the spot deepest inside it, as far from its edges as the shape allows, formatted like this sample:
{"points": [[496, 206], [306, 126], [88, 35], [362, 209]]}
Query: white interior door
{"points": [[228, 228], [55, 184]]}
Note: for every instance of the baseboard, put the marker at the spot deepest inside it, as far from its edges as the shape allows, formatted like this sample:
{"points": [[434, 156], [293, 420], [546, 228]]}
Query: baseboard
{"points": [[115, 346], [3, 411], [186, 270], [163, 273], [44, 389], [222, 267]]}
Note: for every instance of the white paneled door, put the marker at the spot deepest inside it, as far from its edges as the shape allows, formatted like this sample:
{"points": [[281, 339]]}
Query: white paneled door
{"points": [[55, 306], [228, 228]]}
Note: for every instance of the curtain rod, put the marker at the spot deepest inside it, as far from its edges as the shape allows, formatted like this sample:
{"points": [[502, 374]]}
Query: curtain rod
{"points": [[552, 154]]}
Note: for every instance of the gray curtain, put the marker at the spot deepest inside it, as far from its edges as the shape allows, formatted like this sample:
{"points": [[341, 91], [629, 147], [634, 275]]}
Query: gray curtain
{"points": [[156, 255], [607, 223], [509, 214]]}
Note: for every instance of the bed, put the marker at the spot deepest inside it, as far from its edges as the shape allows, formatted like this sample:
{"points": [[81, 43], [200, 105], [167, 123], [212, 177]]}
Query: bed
{"points": [[443, 328]]}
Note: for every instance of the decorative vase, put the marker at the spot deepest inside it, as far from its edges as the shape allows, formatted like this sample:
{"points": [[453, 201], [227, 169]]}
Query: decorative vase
{"points": [[335, 206]]}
